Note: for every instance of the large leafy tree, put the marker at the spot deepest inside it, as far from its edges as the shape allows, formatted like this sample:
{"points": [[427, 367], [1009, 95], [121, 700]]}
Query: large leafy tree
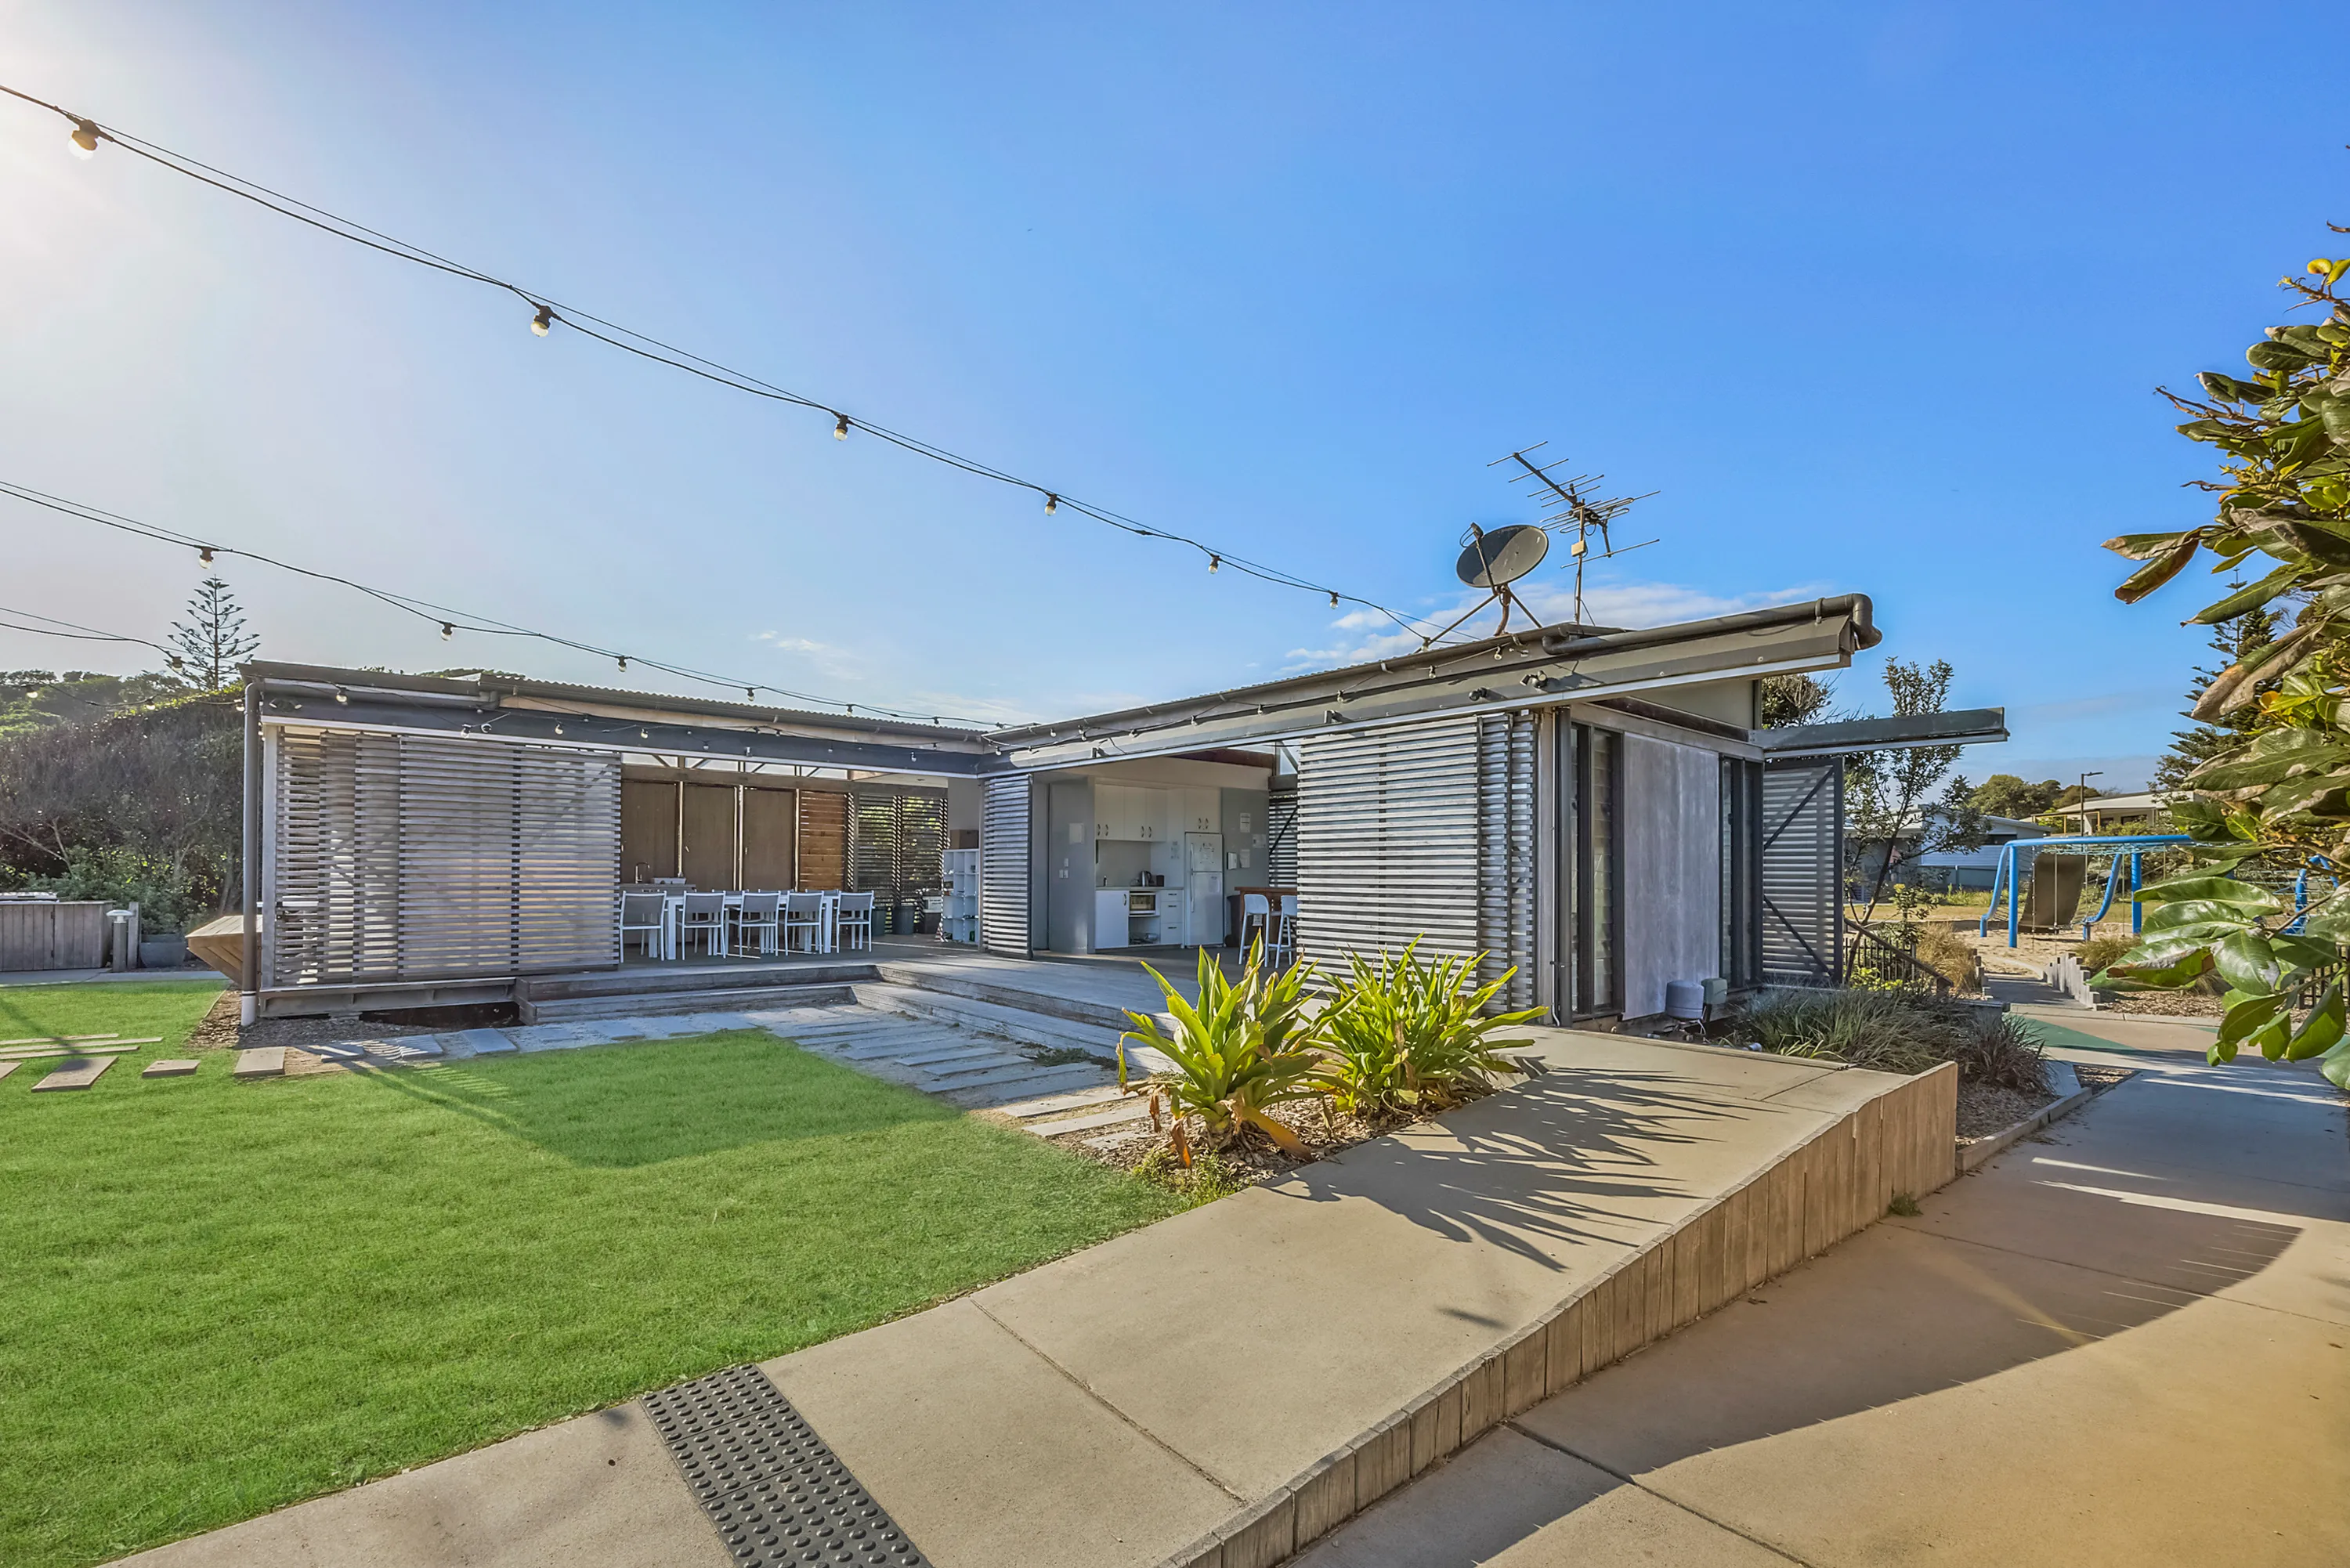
{"points": [[2280, 796]]}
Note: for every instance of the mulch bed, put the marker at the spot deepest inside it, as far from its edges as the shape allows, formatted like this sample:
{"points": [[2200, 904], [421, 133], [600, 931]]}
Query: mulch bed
{"points": [[1986, 1108], [220, 1030], [1252, 1157]]}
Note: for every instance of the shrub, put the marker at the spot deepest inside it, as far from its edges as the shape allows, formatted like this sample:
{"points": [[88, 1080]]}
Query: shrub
{"points": [[1247, 1046], [2097, 952], [1951, 956], [1411, 1036], [1895, 1031]]}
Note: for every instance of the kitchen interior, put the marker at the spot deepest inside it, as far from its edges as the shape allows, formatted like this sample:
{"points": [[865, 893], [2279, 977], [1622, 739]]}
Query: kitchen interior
{"points": [[1140, 854]]}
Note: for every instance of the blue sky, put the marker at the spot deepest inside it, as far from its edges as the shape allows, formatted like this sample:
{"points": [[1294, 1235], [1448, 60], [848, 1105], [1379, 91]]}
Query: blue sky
{"points": [[1874, 298]]}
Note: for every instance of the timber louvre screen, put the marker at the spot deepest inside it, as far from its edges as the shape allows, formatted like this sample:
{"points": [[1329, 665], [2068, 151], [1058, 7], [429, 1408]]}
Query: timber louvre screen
{"points": [[1803, 872], [1004, 867], [895, 836], [401, 857]]}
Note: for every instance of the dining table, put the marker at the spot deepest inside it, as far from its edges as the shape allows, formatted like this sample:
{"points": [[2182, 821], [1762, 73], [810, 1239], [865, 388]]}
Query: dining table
{"points": [[673, 910]]}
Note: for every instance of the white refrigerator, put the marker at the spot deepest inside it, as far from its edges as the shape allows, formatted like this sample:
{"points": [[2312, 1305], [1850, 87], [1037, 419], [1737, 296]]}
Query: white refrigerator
{"points": [[1203, 889]]}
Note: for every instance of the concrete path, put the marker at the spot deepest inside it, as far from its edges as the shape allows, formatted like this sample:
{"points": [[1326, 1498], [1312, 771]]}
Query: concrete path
{"points": [[2125, 1342], [1111, 1409]]}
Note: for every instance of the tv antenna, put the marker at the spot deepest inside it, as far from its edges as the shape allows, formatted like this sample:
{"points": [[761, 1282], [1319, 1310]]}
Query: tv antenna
{"points": [[1575, 504]]}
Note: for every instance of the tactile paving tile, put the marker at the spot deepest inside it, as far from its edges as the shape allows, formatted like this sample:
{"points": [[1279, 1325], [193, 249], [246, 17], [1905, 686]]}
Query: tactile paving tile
{"points": [[777, 1494]]}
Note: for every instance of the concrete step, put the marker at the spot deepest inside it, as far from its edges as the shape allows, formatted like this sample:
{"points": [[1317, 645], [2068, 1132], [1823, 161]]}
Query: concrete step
{"points": [[1133, 1112], [650, 980], [643, 1005], [1058, 1105], [1026, 1025], [971, 986], [1043, 1080]]}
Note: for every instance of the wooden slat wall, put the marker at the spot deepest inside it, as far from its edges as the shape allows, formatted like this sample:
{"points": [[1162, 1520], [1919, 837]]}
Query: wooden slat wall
{"points": [[824, 839], [770, 830], [67, 934], [647, 829], [709, 858]]}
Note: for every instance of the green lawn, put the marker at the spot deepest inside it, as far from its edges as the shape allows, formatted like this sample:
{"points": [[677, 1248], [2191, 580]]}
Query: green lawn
{"points": [[222, 1297]]}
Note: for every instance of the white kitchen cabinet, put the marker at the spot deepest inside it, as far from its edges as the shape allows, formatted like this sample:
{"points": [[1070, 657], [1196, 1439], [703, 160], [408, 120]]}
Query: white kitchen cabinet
{"points": [[1200, 811]]}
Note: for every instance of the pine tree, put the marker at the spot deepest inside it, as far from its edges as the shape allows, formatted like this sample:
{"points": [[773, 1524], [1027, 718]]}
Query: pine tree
{"points": [[2190, 748], [212, 640]]}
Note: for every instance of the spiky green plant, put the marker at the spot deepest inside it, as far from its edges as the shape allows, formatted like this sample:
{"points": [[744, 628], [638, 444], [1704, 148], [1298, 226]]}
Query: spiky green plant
{"points": [[1247, 1045], [1411, 1036]]}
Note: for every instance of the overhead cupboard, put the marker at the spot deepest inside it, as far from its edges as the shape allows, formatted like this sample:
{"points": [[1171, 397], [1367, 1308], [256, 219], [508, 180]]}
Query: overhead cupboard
{"points": [[1153, 814]]}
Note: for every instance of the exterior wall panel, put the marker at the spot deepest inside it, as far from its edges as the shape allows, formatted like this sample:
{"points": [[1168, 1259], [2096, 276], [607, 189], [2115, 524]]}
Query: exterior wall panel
{"points": [[1803, 872], [1004, 857]]}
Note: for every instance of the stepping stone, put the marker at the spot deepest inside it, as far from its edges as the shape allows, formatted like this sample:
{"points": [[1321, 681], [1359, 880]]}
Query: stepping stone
{"points": [[261, 1062], [976, 1096], [75, 1073], [167, 1069], [1133, 1111], [414, 1049], [1046, 1106], [484, 1041], [337, 1053], [6, 1068]]}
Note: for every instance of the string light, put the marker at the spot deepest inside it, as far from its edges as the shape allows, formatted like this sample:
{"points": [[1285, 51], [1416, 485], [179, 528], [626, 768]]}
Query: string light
{"points": [[1215, 562], [624, 661], [205, 554], [342, 697], [641, 344], [429, 611], [447, 632], [84, 139], [1333, 601], [1052, 503]]}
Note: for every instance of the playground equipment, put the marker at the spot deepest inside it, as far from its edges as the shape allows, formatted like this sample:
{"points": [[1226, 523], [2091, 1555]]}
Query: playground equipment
{"points": [[2005, 880]]}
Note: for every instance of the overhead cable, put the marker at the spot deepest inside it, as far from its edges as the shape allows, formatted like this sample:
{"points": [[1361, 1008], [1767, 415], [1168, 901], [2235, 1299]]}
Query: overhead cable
{"points": [[546, 312]]}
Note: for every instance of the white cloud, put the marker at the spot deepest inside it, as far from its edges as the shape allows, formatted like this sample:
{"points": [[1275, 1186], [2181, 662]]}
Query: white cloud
{"points": [[839, 662]]}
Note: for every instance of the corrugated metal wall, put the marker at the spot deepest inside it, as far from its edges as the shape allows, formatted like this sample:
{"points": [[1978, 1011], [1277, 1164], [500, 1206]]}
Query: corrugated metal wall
{"points": [[1003, 856], [423, 857], [1803, 872], [1388, 840], [1505, 850]]}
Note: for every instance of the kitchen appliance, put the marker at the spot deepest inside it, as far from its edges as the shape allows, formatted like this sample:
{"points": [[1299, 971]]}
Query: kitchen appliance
{"points": [[1203, 904]]}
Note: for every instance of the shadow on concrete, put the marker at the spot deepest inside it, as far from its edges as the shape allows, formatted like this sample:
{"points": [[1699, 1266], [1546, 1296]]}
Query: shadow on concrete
{"points": [[619, 1107], [1574, 1156], [1997, 1274]]}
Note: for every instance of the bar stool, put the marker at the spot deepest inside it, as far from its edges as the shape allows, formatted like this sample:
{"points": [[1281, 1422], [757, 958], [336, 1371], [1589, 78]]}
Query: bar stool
{"points": [[1254, 910], [1283, 945]]}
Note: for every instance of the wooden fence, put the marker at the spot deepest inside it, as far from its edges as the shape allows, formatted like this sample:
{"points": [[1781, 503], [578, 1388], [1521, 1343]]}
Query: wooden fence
{"points": [[39, 934]]}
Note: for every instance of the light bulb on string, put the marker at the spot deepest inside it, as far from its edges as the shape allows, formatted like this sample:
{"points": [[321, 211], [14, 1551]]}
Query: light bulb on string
{"points": [[1052, 503], [1333, 598], [205, 554], [624, 660], [1215, 562], [84, 139], [541, 323], [841, 430], [448, 631]]}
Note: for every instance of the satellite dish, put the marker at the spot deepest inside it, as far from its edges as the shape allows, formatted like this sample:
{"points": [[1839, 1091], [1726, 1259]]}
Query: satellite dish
{"points": [[1497, 559]]}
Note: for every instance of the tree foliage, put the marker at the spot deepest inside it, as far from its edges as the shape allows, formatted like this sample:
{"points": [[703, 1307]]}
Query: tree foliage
{"points": [[2007, 795], [1794, 700], [2277, 795], [1904, 803], [2233, 641], [212, 641]]}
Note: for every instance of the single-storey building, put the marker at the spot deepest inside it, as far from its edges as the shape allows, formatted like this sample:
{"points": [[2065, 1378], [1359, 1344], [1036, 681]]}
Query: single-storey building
{"points": [[1594, 808]]}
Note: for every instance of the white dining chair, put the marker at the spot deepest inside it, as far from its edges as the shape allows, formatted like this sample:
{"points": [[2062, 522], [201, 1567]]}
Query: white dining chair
{"points": [[853, 916], [645, 915], [704, 914], [760, 914], [802, 920]]}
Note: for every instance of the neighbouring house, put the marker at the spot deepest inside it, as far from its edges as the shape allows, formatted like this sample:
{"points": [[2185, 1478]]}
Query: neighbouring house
{"points": [[1595, 809], [1952, 870]]}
